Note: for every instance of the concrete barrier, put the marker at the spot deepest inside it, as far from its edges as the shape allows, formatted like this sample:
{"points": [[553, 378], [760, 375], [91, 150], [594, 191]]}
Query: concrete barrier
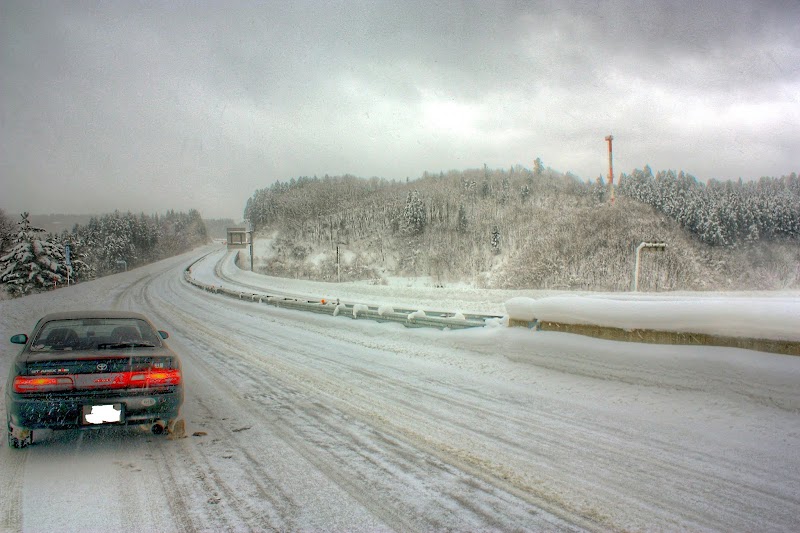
{"points": [[650, 336]]}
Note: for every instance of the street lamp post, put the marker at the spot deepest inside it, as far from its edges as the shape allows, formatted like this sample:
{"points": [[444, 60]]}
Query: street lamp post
{"points": [[251, 230], [655, 246]]}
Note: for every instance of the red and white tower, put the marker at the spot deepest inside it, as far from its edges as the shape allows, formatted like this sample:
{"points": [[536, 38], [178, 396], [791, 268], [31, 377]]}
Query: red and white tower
{"points": [[610, 138]]}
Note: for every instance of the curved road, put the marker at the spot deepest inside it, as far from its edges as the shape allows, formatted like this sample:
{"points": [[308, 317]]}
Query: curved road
{"points": [[307, 422]]}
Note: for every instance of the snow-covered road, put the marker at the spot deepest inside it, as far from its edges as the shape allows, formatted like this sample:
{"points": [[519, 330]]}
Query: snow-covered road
{"points": [[310, 422]]}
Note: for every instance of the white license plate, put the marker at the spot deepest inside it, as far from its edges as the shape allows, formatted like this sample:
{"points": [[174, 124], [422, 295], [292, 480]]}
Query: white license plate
{"points": [[102, 414]]}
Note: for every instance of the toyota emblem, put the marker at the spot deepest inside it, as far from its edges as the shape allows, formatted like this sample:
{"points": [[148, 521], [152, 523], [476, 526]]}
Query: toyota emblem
{"points": [[102, 367]]}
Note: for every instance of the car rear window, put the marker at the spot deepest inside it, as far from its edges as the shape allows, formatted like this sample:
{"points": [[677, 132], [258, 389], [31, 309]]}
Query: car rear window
{"points": [[91, 333]]}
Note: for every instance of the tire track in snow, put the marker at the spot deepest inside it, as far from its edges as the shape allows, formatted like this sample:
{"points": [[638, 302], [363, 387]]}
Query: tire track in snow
{"points": [[305, 377], [658, 461], [692, 472], [703, 487], [180, 493], [387, 514], [257, 476], [220, 504], [684, 485], [12, 464]]}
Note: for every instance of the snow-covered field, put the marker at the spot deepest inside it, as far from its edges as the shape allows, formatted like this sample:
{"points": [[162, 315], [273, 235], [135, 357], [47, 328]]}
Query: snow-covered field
{"points": [[310, 422]]}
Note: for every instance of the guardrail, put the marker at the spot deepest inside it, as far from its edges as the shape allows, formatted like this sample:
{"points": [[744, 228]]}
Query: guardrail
{"points": [[444, 320], [412, 318]]}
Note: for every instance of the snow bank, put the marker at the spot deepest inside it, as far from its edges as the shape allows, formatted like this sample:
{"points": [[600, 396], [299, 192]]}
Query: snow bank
{"points": [[765, 315], [766, 318]]}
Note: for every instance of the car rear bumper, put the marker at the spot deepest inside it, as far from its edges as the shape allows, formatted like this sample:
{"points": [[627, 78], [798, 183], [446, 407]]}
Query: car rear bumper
{"points": [[66, 412]]}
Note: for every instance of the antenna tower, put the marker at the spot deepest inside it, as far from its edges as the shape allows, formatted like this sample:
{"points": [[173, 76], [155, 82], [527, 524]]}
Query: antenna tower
{"points": [[610, 138]]}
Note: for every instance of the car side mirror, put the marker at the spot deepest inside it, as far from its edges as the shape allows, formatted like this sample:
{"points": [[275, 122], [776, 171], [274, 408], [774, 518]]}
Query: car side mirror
{"points": [[19, 339], [164, 334]]}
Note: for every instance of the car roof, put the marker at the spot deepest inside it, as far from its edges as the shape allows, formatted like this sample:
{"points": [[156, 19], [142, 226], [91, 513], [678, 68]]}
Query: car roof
{"points": [[67, 315]]}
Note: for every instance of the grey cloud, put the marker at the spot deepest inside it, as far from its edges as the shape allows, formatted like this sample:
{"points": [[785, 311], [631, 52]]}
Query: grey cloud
{"points": [[187, 99]]}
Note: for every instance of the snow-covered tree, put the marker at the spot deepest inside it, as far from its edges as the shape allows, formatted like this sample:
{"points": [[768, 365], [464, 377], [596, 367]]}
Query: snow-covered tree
{"points": [[79, 268], [495, 240], [538, 167], [721, 213], [461, 225], [414, 214], [486, 188], [525, 193], [598, 190], [505, 187], [7, 227], [33, 262]]}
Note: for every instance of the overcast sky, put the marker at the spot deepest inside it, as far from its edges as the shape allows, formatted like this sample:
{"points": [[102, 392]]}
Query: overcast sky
{"points": [[148, 106]]}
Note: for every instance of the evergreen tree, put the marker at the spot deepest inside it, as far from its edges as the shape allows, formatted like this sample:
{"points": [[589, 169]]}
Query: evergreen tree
{"points": [[461, 225], [495, 240], [598, 190], [505, 187], [414, 214], [7, 227], [538, 167], [486, 188], [33, 263], [720, 213], [79, 268], [525, 193]]}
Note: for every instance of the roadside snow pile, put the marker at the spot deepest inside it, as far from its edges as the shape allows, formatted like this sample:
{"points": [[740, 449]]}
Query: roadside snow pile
{"points": [[359, 308], [416, 314], [765, 318], [385, 309], [501, 322]]}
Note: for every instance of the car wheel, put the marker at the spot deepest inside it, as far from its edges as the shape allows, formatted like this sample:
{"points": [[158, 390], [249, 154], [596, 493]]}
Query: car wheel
{"points": [[16, 442]]}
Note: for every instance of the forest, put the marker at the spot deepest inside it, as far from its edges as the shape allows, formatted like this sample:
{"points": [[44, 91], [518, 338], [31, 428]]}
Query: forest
{"points": [[534, 228], [33, 260], [489, 228]]}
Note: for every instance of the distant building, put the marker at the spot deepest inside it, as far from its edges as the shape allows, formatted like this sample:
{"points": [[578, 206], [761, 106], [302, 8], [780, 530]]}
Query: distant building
{"points": [[237, 238]]}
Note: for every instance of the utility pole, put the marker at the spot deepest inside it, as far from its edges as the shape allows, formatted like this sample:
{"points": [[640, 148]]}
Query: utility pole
{"points": [[251, 231], [610, 138], [68, 261]]}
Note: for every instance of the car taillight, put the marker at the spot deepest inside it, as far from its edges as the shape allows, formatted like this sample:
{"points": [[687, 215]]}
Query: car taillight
{"points": [[42, 383], [154, 378]]}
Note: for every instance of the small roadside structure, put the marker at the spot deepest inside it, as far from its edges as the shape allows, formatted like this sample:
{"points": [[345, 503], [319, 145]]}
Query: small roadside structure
{"points": [[237, 238]]}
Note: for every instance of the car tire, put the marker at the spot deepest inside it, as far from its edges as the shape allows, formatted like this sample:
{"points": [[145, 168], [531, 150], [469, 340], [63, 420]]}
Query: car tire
{"points": [[14, 442]]}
